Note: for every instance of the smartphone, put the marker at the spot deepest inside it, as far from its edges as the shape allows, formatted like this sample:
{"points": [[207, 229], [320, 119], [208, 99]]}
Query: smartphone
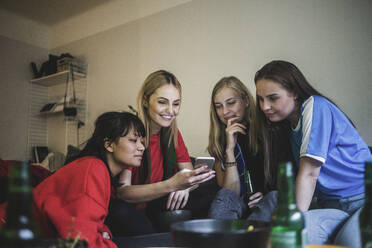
{"points": [[205, 160]]}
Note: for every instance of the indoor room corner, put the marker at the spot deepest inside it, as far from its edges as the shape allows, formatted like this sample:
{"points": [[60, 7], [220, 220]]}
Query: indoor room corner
{"points": [[200, 41]]}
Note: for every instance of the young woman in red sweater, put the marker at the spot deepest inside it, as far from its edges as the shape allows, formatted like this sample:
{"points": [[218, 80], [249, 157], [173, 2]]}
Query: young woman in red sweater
{"points": [[78, 194]]}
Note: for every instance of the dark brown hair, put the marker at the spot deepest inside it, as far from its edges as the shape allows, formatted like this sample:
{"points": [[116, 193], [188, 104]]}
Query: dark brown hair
{"points": [[276, 134]]}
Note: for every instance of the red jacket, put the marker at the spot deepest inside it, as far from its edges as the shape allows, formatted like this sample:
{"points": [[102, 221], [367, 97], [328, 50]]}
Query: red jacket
{"points": [[75, 199]]}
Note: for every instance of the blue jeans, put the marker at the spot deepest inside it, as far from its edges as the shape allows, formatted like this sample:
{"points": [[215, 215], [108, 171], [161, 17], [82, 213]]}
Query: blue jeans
{"points": [[227, 205], [329, 216], [349, 235], [333, 226], [323, 224], [348, 204]]}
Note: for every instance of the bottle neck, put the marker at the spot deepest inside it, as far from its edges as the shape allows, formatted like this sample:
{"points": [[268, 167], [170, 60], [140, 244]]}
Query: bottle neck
{"points": [[19, 192], [368, 184], [368, 201], [248, 182], [286, 199]]}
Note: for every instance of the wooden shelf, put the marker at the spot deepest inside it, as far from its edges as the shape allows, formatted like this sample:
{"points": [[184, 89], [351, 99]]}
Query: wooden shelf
{"points": [[57, 78]]}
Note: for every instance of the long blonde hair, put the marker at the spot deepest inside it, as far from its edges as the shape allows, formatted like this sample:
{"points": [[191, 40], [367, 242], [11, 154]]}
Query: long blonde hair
{"points": [[153, 82], [217, 135]]}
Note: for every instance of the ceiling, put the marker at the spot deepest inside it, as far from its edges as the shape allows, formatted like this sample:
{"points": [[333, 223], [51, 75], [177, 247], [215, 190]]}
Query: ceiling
{"points": [[49, 12]]}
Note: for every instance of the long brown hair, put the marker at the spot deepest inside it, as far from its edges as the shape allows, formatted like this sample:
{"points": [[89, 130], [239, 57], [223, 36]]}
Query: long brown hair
{"points": [[276, 134], [217, 135], [153, 82]]}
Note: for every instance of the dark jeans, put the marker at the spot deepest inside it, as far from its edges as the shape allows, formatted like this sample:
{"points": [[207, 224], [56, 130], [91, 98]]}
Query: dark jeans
{"points": [[125, 220], [148, 240], [199, 202]]}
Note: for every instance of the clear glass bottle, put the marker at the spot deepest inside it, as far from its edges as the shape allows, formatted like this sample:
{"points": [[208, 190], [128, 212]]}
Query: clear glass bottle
{"points": [[365, 217], [20, 230], [288, 230]]}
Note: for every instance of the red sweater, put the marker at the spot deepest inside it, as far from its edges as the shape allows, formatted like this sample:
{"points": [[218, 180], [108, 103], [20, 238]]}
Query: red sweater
{"points": [[156, 156], [80, 191]]}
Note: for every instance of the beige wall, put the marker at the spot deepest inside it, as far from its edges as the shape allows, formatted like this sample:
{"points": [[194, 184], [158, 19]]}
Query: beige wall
{"points": [[201, 41], [15, 73], [106, 16], [24, 30]]}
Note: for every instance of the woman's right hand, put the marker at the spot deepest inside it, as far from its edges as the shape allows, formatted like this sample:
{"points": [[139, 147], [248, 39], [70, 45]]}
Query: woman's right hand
{"points": [[187, 178], [232, 130]]}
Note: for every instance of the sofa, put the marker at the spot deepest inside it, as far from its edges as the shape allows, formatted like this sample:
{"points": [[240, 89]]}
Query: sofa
{"points": [[38, 173]]}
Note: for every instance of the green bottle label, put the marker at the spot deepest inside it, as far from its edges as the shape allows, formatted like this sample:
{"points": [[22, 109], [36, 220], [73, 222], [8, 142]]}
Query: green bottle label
{"points": [[19, 189], [366, 238], [283, 239], [368, 245], [304, 238], [288, 239]]}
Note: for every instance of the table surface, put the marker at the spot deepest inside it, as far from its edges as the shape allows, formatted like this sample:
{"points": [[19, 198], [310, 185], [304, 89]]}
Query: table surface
{"points": [[148, 240]]}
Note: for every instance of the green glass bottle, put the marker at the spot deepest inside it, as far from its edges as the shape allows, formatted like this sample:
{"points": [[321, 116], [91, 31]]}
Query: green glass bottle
{"points": [[20, 230], [248, 186], [288, 230], [365, 218]]}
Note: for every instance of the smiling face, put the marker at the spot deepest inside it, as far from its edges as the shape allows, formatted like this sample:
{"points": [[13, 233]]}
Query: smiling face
{"points": [[229, 104], [276, 102], [126, 152], [163, 107]]}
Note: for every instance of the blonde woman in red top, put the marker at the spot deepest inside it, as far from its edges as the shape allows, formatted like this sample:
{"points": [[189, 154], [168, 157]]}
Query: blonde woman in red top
{"points": [[167, 176]]}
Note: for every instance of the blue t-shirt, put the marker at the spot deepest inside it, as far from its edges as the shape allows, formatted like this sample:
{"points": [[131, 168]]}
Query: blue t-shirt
{"points": [[325, 134]]}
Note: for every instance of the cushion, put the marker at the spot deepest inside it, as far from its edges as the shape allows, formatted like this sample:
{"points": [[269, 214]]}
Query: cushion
{"points": [[72, 152]]}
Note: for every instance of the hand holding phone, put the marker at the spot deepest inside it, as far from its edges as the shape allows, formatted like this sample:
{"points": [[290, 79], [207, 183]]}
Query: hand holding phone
{"points": [[209, 161]]}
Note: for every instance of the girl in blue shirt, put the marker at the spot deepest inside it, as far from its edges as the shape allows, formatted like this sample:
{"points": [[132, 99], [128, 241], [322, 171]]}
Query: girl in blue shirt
{"points": [[328, 151]]}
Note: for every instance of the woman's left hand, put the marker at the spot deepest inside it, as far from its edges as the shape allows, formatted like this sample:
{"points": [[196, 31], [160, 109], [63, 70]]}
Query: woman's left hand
{"points": [[177, 199], [254, 199]]}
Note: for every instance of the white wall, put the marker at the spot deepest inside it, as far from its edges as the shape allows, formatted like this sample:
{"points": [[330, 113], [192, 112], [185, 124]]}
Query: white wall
{"points": [[23, 40], [15, 74], [200, 41], [203, 40]]}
